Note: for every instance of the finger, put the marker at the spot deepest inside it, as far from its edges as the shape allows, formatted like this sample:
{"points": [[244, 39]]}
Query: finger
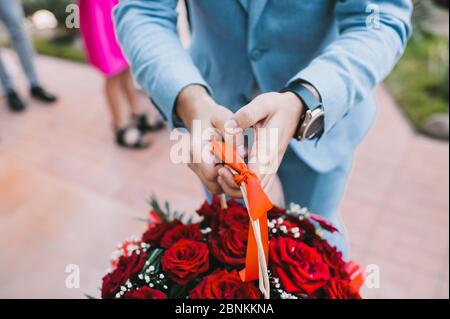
{"points": [[228, 178], [207, 176], [213, 188], [211, 134], [234, 136], [228, 190], [219, 118], [269, 147], [210, 172], [252, 113], [231, 133]]}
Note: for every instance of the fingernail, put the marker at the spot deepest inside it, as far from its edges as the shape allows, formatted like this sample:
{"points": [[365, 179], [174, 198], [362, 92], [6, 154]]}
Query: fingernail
{"points": [[241, 150], [231, 124], [231, 127]]}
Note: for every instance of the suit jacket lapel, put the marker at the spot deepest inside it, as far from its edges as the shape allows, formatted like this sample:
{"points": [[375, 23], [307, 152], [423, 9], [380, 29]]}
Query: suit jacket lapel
{"points": [[256, 8]]}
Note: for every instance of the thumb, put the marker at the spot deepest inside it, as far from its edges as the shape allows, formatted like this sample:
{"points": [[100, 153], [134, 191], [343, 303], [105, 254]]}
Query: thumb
{"points": [[252, 113], [231, 133]]}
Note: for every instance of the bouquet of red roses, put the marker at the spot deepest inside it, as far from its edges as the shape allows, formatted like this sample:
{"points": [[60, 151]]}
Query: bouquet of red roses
{"points": [[202, 260]]}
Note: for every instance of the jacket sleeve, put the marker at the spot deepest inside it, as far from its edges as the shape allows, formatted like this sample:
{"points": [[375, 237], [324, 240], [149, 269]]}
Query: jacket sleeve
{"points": [[147, 31], [373, 36]]}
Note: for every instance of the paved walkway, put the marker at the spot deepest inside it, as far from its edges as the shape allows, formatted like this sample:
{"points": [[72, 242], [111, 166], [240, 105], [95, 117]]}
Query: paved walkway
{"points": [[68, 195]]}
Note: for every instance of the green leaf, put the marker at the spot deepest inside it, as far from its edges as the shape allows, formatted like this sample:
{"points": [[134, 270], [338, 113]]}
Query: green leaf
{"points": [[154, 259], [167, 206], [157, 209], [177, 292]]}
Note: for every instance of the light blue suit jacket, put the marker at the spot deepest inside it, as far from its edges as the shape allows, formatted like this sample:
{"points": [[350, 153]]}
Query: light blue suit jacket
{"points": [[342, 47]]}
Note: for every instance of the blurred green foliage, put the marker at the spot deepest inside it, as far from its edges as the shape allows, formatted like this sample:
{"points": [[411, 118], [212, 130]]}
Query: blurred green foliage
{"points": [[55, 48], [59, 49], [420, 81]]}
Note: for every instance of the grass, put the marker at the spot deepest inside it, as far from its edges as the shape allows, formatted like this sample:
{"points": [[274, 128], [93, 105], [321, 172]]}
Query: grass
{"points": [[55, 48], [60, 50], [420, 81]]}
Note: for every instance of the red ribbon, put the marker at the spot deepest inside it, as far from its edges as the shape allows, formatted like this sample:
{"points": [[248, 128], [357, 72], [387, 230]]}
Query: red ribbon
{"points": [[258, 205]]}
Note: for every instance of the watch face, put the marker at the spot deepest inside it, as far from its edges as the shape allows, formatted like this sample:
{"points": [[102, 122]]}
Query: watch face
{"points": [[315, 127]]}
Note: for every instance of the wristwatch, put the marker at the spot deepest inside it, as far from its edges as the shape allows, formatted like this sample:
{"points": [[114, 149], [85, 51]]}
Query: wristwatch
{"points": [[311, 122]]}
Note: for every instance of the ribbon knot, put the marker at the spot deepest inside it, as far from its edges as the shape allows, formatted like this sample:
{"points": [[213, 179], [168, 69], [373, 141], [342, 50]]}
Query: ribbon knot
{"points": [[244, 176]]}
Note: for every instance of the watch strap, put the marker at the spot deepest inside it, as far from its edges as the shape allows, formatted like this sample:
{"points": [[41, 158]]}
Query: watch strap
{"points": [[309, 100]]}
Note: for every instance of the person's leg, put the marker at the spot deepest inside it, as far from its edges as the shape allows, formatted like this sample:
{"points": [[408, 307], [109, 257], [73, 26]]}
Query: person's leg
{"points": [[126, 136], [130, 92], [139, 117], [321, 193], [5, 78], [11, 13], [112, 93], [15, 103]]}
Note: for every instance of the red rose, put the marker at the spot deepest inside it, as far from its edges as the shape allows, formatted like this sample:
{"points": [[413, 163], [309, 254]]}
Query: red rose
{"points": [[127, 268], [224, 285], [229, 246], [323, 223], [185, 261], [228, 239], [154, 234], [208, 210], [276, 212], [234, 203], [332, 257], [144, 293], [235, 217], [341, 289], [300, 268], [173, 235]]}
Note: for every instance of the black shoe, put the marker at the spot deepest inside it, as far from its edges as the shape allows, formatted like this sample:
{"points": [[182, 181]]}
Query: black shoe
{"points": [[144, 126], [14, 102], [131, 137], [42, 95]]}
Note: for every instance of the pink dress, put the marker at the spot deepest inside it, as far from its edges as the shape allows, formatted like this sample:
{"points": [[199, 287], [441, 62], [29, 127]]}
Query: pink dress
{"points": [[97, 29]]}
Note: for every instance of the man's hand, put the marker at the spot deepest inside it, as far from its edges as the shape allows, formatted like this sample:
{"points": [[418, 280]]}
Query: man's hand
{"points": [[279, 111], [194, 103]]}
